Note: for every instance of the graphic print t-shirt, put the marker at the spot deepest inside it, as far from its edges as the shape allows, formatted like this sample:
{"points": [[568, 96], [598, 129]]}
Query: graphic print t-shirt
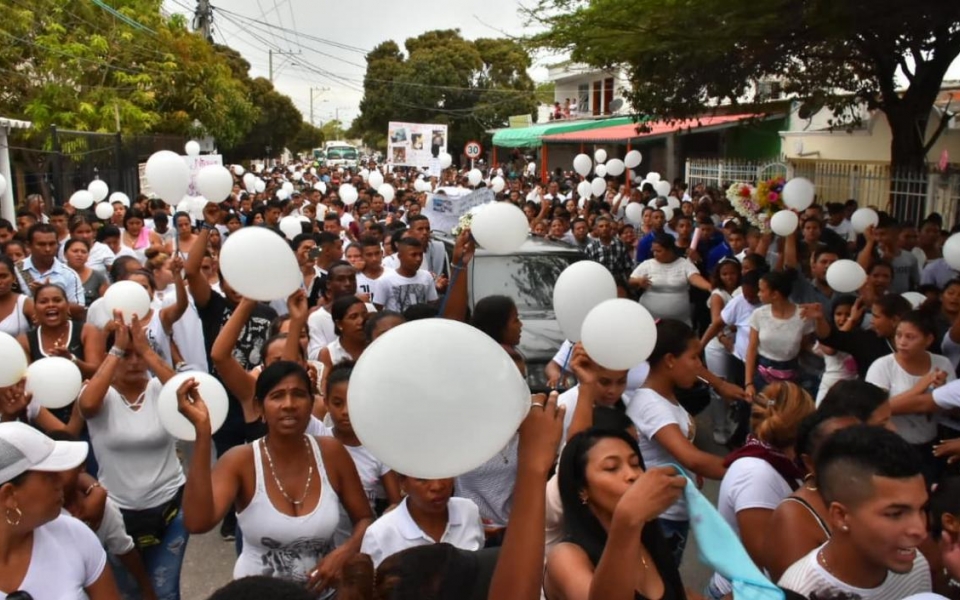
{"points": [[399, 293]]}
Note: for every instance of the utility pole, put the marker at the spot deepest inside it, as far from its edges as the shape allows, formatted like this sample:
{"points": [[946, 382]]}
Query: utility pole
{"points": [[203, 20], [321, 89], [278, 53]]}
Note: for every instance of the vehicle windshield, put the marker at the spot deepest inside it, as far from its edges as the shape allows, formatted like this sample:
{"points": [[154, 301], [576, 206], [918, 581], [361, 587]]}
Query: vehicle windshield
{"points": [[342, 153], [527, 278]]}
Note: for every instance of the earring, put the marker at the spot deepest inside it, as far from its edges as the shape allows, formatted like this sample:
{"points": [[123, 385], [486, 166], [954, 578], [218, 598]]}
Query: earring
{"points": [[10, 521], [845, 528], [583, 500]]}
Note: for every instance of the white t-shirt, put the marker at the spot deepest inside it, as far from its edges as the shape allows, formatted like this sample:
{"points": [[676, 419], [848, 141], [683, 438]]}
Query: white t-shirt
{"points": [[137, 456], [321, 332], [398, 293], [569, 400], [112, 533], [748, 483], [780, 339], [396, 531], [887, 374], [807, 576], [947, 398], [668, 294], [366, 285], [844, 230], [651, 412], [370, 471], [66, 558], [737, 313]]}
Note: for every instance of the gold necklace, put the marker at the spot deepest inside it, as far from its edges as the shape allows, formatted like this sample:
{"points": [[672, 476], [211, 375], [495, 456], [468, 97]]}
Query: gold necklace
{"points": [[276, 480]]}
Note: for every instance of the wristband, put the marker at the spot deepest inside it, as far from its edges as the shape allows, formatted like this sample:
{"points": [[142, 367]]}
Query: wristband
{"points": [[117, 352], [95, 484]]}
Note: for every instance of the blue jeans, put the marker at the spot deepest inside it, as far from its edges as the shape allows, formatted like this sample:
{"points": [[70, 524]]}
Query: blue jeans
{"points": [[163, 563], [676, 533]]}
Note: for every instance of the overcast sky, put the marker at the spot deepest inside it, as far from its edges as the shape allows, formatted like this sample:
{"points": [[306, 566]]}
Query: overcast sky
{"points": [[332, 62], [337, 72]]}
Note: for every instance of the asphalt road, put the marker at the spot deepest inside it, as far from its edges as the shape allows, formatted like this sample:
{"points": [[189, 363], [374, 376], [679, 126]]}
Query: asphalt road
{"points": [[209, 561]]}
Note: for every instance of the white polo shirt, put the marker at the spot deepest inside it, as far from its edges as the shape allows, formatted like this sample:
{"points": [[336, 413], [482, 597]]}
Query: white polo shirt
{"points": [[396, 531]]}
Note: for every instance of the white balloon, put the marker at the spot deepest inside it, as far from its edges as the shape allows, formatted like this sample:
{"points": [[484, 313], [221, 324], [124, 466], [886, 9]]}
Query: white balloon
{"points": [[260, 265], [121, 198], [579, 288], [364, 174], [168, 176], [634, 212], [98, 315], [500, 228], [320, 186], [951, 251], [260, 185], [313, 170], [600, 156], [598, 187], [863, 218], [99, 189], [249, 181], [129, 298], [13, 361], [662, 188], [619, 334], [498, 184], [445, 160], [297, 176], [600, 171], [185, 205], [531, 167], [54, 381], [287, 187], [375, 179], [615, 167], [914, 298], [214, 397], [3, 184], [584, 190], [215, 183], [667, 213], [784, 222], [474, 177], [582, 165], [653, 203], [653, 177], [846, 276], [348, 194], [282, 194], [439, 412], [798, 193], [386, 190], [104, 210], [238, 170], [673, 202], [192, 148], [81, 199], [290, 226], [633, 159]]}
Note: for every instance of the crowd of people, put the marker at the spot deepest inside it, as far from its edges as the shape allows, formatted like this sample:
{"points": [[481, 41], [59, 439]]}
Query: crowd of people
{"points": [[837, 411]]}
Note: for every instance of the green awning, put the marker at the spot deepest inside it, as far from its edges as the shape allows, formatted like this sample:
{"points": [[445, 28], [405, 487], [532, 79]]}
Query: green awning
{"points": [[527, 137]]}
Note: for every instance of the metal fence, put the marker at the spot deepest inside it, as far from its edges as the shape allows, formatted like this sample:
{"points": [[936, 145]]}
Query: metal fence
{"points": [[907, 195], [63, 161]]}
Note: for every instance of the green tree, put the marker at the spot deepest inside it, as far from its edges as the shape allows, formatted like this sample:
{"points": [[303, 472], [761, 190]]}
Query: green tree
{"points": [[471, 86], [308, 138], [276, 127], [841, 54]]}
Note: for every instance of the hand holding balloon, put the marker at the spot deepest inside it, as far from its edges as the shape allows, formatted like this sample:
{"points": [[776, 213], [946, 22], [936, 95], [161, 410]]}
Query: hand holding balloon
{"points": [[191, 405], [540, 434], [14, 400]]}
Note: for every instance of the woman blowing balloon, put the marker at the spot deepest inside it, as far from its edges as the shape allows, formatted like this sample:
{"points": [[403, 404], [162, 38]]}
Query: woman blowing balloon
{"points": [[287, 487]]}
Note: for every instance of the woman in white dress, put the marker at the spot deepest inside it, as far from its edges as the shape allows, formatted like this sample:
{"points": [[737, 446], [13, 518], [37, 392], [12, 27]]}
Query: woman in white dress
{"points": [[666, 279]]}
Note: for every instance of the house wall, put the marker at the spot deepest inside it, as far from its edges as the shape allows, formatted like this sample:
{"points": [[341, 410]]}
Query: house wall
{"points": [[868, 144], [570, 79]]}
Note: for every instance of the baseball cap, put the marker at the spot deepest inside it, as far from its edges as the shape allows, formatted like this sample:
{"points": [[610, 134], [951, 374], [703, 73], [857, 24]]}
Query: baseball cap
{"points": [[23, 448]]}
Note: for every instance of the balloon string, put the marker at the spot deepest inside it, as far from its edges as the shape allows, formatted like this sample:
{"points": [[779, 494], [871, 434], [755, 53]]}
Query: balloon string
{"points": [[453, 279]]}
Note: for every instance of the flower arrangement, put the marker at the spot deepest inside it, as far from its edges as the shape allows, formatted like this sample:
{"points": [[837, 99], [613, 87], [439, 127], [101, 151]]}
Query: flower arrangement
{"points": [[758, 204], [465, 221]]}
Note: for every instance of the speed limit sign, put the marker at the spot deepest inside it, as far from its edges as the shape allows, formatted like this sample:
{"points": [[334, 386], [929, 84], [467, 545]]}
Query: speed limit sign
{"points": [[473, 150]]}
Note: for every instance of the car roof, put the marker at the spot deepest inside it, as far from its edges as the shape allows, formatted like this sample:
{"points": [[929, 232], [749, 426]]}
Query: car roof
{"points": [[532, 245]]}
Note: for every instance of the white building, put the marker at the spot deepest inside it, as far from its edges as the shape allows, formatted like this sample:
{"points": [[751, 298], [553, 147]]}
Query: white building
{"points": [[592, 92]]}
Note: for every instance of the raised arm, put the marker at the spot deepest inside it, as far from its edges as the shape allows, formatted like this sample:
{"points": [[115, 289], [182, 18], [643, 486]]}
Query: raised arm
{"points": [[457, 298], [234, 376], [198, 284], [866, 255], [92, 395], [172, 314], [160, 368]]}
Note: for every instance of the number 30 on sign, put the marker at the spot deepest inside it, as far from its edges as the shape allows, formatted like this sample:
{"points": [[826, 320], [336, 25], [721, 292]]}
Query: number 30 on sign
{"points": [[473, 150]]}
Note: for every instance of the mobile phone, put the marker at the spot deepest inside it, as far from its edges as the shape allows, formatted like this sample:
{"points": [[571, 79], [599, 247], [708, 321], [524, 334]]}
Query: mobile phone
{"points": [[313, 254]]}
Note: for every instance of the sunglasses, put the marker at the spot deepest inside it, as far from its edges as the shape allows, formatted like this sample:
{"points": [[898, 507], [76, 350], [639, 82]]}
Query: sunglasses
{"points": [[19, 595]]}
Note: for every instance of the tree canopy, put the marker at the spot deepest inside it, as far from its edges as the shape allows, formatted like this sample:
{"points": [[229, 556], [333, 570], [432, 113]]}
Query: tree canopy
{"points": [[90, 67], [841, 54], [443, 78]]}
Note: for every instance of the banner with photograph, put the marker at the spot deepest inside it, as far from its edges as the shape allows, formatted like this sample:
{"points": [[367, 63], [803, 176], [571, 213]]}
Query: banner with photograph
{"points": [[445, 209], [415, 144]]}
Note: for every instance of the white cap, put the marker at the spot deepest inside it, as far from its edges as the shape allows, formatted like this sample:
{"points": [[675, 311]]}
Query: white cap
{"points": [[23, 448]]}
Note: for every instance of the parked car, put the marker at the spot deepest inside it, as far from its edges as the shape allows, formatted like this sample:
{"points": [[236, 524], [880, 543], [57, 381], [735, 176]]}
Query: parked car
{"points": [[528, 277]]}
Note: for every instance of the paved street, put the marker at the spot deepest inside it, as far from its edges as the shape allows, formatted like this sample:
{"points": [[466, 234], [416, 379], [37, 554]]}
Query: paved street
{"points": [[209, 561]]}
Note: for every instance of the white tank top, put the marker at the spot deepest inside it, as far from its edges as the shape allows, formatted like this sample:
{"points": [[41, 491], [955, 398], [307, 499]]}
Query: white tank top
{"points": [[337, 353], [278, 545], [16, 322]]}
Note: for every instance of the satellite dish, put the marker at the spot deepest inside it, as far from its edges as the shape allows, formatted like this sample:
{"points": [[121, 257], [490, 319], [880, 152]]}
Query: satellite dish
{"points": [[616, 105]]}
